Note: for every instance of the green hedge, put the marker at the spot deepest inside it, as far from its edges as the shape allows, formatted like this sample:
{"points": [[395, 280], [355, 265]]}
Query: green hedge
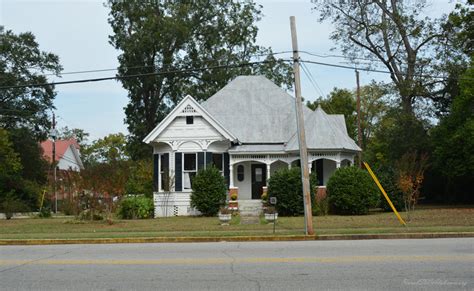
{"points": [[286, 186], [209, 191], [135, 207], [352, 191]]}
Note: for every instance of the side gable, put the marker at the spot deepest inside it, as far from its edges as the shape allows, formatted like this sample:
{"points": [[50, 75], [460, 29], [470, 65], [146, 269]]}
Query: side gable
{"points": [[187, 107]]}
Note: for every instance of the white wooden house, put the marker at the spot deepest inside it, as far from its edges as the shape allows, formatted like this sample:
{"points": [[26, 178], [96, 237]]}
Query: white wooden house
{"points": [[248, 131]]}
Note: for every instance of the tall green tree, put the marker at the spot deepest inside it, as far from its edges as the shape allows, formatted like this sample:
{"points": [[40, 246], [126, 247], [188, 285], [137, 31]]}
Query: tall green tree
{"points": [[22, 62], [455, 55], [394, 34], [373, 107], [170, 36], [453, 139]]}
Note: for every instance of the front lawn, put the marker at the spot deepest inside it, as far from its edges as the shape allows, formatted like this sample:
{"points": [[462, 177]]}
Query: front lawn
{"points": [[426, 219]]}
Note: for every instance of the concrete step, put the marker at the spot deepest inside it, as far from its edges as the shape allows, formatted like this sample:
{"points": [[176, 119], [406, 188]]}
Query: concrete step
{"points": [[249, 220], [250, 207]]}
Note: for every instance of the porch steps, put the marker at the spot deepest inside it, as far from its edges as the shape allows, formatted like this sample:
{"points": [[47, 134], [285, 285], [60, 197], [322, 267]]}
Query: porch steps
{"points": [[250, 208]]}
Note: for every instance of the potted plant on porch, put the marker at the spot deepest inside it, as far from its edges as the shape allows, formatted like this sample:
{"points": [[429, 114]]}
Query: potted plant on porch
{"points": [[271, 214], [225, 215]]}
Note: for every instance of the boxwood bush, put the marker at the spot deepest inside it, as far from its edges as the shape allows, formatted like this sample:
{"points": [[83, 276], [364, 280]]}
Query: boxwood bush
{"points": [[352, 191], [209, 191], [135, 207], [286, 186]]}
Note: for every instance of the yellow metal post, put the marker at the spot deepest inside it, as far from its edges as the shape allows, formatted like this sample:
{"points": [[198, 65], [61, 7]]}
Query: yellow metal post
{"points": [[384, 194]]}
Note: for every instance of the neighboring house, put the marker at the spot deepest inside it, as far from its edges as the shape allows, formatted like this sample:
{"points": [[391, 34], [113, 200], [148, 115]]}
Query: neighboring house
{"points": [[67, 157], [248, 131]]}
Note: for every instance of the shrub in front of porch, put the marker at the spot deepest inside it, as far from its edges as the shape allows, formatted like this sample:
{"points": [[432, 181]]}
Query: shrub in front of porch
{"points": [[286, 186], [135, 207], [209, 191], [352, 191]]}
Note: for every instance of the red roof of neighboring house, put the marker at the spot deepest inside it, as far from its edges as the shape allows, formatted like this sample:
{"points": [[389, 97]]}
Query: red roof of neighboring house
{"points": [[61, 148]]}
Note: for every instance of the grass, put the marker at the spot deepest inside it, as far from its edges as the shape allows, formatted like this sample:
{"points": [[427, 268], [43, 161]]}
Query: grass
{"points": [[426, 219]]}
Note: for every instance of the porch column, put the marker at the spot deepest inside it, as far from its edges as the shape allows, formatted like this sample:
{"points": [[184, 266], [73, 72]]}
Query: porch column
{"points": [[268, 172], [231, 175], [310, 167], [338, 164]]}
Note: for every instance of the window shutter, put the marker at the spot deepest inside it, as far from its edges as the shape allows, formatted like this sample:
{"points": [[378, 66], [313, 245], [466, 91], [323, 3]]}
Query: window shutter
{"points": [[178, 184], [226, 169], [156, 172], [200, 161], [208, 159]]}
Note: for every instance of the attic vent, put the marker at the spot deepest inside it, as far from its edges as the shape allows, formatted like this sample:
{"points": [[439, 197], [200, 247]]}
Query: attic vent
{"points": [[189, 109]]}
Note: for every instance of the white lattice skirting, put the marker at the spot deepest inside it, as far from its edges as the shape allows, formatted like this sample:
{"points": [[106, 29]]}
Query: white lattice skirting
{"points": [[173, 204]]}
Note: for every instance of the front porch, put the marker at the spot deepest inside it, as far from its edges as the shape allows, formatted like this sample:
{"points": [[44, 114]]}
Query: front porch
{"points": [[249, 173]]}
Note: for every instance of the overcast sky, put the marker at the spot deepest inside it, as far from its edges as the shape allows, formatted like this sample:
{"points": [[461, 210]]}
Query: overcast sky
{"points": [[78, 32]]}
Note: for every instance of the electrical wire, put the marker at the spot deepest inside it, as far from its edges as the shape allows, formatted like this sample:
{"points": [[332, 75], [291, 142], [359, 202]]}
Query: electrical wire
{"points": [[137, 75]]}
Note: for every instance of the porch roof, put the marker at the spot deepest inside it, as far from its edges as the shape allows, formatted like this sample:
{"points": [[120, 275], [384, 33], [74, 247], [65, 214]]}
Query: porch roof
{"points": [[258, 148]]}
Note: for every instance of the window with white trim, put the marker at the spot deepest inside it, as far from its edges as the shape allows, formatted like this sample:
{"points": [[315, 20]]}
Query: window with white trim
{"points": [[189, 170]]}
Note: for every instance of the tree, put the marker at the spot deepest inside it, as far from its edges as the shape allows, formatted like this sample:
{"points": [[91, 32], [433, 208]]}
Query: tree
{"points": [[10, 163], [454, 54], [22, 62], [411, 170], [373, 106], [110, 149], [172, 36], [393, 33], [78, 134], [453, 140]]}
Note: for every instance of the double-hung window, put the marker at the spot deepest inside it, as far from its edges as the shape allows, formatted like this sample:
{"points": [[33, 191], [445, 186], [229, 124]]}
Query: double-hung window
{"points": [[189, 170]]}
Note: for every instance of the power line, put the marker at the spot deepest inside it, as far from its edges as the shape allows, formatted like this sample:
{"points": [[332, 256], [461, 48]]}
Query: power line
{"points": [[374, 71], [137, 75], [312, 79], [339, 56], [212, 68], [142, 67]]}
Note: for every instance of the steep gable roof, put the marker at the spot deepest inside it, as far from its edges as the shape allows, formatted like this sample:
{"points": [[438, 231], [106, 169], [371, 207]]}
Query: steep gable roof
{"points": [[61, 146], [324, 132], [188, 106]]}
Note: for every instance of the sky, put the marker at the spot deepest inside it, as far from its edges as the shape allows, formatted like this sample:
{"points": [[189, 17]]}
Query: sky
{"points": [[77, 31]]}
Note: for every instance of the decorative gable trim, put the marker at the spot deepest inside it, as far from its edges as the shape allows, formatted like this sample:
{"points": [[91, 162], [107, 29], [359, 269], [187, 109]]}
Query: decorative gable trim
{"points": [[188, 109], [188, 106]]}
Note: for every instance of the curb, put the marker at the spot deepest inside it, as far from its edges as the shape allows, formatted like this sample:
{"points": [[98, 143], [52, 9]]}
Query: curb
{"points": [[11, 242]]}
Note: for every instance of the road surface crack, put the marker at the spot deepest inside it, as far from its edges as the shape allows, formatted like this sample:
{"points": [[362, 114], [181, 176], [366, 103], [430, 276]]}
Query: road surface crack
{"points": [[232, 269]]}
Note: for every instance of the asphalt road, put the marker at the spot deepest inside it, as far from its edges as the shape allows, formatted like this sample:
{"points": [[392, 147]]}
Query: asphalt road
{"points": [[429, 264]]}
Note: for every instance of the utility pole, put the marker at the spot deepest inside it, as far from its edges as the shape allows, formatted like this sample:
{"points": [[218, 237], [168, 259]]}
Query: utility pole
{"points": [[359, 130], [53, 136], [308, 215]]}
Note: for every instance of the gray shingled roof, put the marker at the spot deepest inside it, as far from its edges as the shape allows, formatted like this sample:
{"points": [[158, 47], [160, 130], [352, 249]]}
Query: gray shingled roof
{"points": [[256, 110], [324, 131]]}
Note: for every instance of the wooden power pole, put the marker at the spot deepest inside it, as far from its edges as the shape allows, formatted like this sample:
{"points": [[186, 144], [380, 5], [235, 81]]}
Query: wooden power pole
{"points": [[53, 135], [359, 130], [308, 215]]}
